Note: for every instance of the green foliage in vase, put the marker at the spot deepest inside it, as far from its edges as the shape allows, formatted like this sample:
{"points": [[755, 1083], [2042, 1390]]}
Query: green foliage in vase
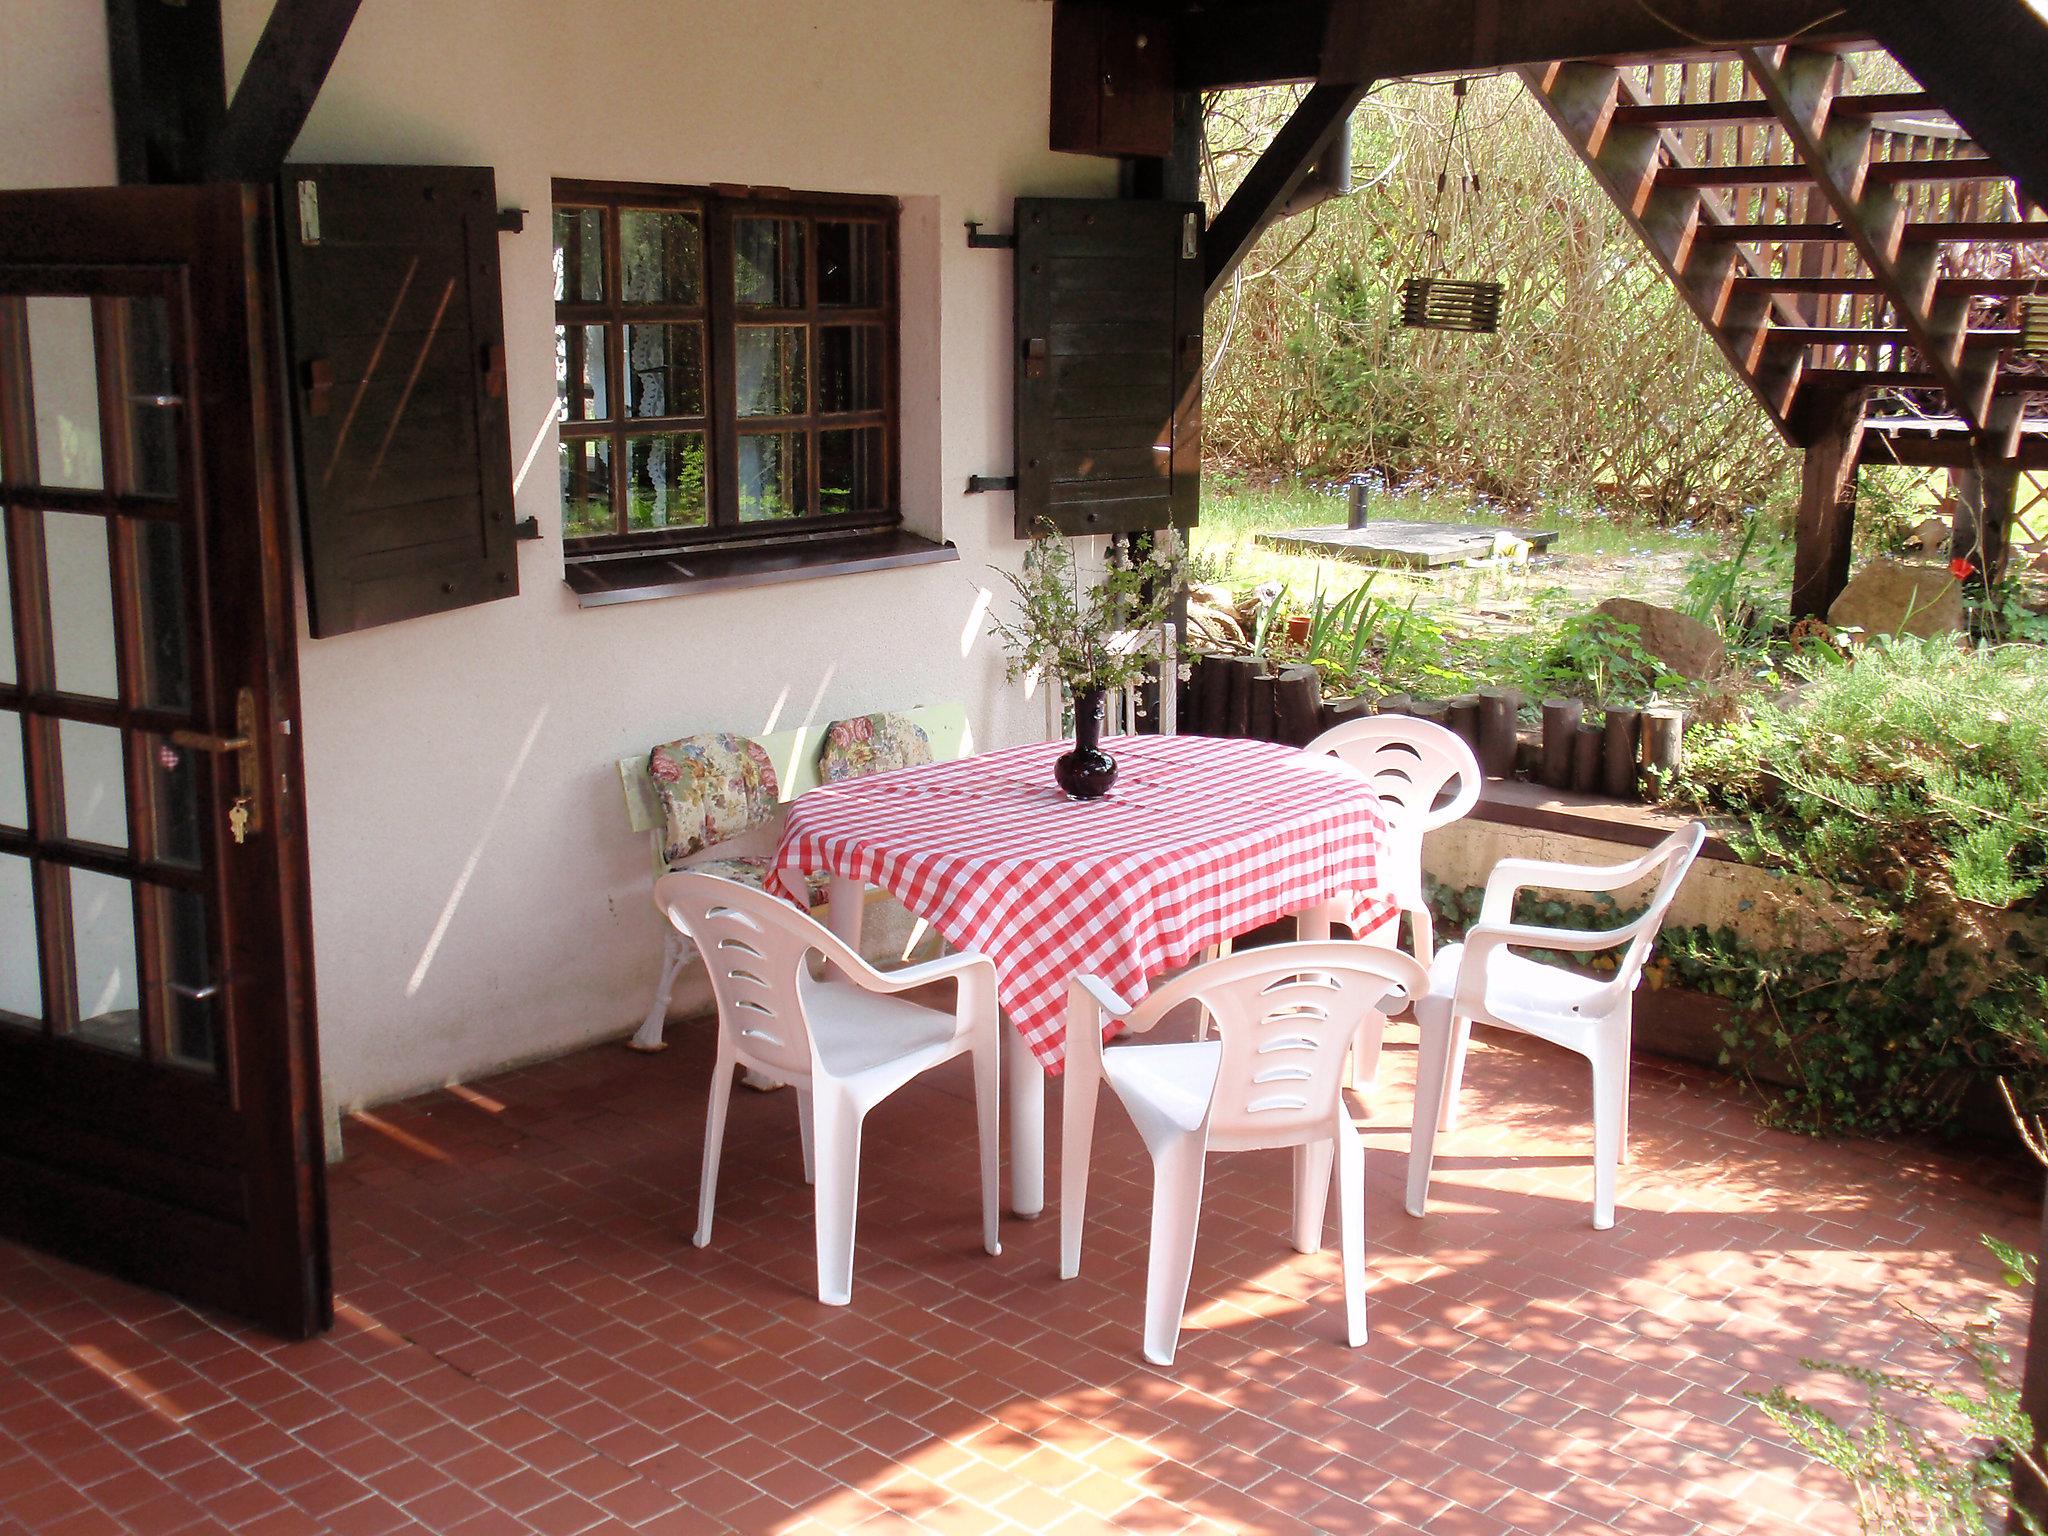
{"points": [[1079, 631]]}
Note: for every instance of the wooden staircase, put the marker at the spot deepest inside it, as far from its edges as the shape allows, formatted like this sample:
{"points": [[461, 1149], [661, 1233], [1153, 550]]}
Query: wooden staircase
{"points": [[1858, 260]]}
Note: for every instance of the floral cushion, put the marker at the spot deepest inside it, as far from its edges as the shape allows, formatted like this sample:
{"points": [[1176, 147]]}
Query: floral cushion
{"points": [[713, 788], [750, 870], [871, 744]]}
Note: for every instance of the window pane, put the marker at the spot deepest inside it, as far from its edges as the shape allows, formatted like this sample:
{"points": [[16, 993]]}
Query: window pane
{"points": [[586, 487], [95, 786], [103, 938], [166, 681], [665, 370], [150, 404], [665, 480], [661, 257], [851, 267], [849, 367], [582, 391], [171, 773], [772, 476], [850, 477], [66, 383], [770, 369], [81, 603], [21, 983], [184, 969], [768, 262], [13, 774], [579, 255]]}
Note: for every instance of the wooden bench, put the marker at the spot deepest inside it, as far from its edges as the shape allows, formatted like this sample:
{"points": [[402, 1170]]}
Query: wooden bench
{"points": [[794, 754]]}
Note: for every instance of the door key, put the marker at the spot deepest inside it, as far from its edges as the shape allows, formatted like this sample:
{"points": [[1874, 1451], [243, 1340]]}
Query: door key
{"points": [[238, 818]]}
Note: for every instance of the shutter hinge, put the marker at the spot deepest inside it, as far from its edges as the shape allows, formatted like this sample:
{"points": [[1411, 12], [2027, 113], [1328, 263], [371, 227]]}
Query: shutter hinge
{"points": [[977, 241], [978, 484]]}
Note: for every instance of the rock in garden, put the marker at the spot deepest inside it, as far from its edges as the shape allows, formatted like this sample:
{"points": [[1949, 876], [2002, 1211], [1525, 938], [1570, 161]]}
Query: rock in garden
{"points": [[1892, 597], [1210, 616], [1684, 645]]}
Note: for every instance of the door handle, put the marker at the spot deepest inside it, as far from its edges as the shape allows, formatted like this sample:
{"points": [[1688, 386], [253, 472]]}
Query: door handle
{"points": [[245, 814]]}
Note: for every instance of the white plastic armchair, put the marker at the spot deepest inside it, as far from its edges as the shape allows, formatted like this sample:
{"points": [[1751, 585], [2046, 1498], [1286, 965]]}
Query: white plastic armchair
{"points": [[1411, 765], [1484, 981], [1272, 1077], [845, 1040]]}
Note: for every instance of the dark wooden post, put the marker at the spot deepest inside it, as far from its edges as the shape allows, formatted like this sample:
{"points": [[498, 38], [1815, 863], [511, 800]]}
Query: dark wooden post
{"points": [[2027, 1492], [1986, 499], [1827, 505], [1560, 720]]}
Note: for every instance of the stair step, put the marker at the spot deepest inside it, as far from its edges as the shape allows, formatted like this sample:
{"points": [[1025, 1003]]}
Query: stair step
{"points": [[1733, 175], [1964, 168], [1989, 231], [1972, 287], [1712, 114], [1771, 234], [1876, 336]]}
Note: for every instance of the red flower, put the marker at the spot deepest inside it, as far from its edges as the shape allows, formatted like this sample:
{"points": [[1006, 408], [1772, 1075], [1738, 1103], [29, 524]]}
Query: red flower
{"points": [[1961, 569]]}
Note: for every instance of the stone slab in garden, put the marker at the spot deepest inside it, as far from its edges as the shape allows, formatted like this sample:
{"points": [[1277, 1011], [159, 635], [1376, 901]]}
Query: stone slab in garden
{"points": [[1418, 546]]}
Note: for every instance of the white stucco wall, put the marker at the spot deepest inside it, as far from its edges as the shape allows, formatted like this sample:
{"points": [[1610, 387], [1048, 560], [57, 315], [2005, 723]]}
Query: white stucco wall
{"points": [[477, 898]]}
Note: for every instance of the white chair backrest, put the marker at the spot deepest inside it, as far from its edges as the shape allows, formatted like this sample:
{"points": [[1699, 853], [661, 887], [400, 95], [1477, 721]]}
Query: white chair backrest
{"points": [[756, 948], [1675, 855], [1285, 1014], [1410, 764]]}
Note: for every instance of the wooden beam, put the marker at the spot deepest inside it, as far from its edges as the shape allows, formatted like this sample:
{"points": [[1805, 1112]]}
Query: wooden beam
{"points": [[168, 86], [1987, 496], [1985, 62], [1273, 178], [1252, 44], [284, 76], [1381, 39], [2028, 1493], [1827, 502]]}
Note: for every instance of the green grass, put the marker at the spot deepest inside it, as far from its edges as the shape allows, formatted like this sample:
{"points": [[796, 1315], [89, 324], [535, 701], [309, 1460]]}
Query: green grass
{"points": [[1233, 512]]}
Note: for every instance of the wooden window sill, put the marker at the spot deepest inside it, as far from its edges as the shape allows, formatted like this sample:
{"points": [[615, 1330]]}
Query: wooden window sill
{"points": [[680, 572]]}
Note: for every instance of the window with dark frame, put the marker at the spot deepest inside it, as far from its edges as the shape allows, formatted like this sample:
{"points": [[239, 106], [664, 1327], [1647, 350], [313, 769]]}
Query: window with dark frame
{"points": [[725, 365]]}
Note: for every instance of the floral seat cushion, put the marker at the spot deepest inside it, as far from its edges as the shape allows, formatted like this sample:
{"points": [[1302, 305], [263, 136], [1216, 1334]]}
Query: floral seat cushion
{"points": [[869, 744], [752, 870], [713, 788]]}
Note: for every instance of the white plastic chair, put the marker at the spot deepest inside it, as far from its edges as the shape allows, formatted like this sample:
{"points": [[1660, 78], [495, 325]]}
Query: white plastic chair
{"points": [[844, 1040], [1411, 765], [1285, 1015], [1482, 981]]}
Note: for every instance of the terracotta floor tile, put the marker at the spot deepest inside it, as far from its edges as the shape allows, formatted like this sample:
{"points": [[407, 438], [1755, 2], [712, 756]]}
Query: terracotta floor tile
{"points": [[530, 1346]]}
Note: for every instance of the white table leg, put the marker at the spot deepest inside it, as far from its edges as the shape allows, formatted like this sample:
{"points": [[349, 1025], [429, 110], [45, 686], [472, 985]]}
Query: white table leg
{"points": [[1313, 924], [1024, 1082], [846, 902]]}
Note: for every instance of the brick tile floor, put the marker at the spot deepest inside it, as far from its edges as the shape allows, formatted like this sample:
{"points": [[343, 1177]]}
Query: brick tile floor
{"points": [[525, 1340]]}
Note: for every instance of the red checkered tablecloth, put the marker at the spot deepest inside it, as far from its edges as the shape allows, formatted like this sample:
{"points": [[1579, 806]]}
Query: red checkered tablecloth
{"points": [[1202, 839]]}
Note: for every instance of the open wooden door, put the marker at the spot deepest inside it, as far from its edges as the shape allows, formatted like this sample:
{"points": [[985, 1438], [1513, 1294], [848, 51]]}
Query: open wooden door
{"points": [[159, 1086]]}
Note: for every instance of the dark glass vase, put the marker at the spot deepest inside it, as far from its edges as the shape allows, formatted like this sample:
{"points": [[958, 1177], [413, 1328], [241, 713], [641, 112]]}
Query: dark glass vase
{"points": [[1086, 772]]}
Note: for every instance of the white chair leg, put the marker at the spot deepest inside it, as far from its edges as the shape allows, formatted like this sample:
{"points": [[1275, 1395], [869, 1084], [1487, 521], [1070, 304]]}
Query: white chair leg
{"points": [[988, 1114], [837, 1195], [1422, 934], [1461, 1041], [1365, 1055], [1351, 1229], [1176, 1210], [1432, 1064], [1311, 1194], [1077, 1141], [1610, 1099], [806, 1134], [1026, 1091], [675, 954], [714, 1142]]}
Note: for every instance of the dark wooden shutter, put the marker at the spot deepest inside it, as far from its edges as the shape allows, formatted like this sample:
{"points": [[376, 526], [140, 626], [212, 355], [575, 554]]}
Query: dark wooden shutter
{"points": [[397, 355], [1109, 365]]}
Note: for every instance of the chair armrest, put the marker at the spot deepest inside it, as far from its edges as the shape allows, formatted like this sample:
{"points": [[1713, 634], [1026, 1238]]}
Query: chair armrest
{"points": [[945, 968], [1483, 939], [1513, 875], [1089, 999]]}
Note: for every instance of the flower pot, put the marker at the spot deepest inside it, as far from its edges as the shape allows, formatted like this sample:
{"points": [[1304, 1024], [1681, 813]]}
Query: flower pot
{"points": [[1087, 772]]}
